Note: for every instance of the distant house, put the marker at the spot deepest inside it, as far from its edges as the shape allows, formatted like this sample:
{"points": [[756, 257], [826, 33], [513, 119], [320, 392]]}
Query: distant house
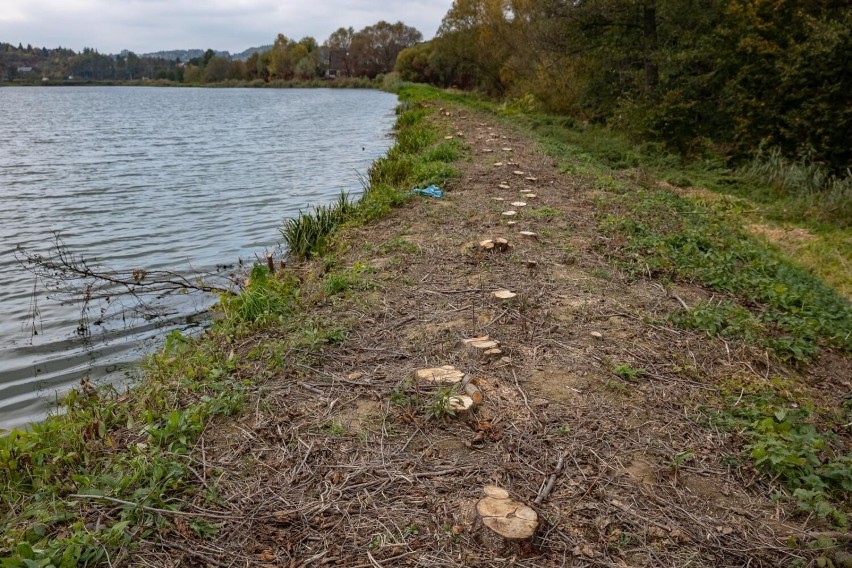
{"points": [[25, 69]]}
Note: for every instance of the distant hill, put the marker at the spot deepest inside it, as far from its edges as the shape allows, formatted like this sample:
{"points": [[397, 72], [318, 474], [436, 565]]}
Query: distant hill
{"points": [[248, 53], [182, 54], [187, 54]]}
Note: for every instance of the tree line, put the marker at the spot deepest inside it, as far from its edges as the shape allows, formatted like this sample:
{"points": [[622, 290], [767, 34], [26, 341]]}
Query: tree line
{"points": [[722, 76], [346, 53]]}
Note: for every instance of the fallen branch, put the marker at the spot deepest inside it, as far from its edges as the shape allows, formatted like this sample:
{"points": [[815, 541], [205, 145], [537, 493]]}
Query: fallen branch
{"points": [[545, 492]]}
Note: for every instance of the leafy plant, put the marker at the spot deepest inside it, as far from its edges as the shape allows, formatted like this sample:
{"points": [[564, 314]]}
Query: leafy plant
{"points": [[791, 311], [784, 443], [441, 405], [627, 372]]}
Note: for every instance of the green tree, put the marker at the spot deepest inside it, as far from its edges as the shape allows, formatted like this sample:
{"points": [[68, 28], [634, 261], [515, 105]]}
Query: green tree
{"points": [[217, 69]]}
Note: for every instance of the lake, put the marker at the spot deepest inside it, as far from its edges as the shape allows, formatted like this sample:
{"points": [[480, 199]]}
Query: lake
{"points": [[135, 178]]}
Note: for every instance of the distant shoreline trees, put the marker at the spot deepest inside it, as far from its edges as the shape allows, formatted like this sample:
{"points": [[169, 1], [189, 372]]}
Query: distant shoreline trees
{"points": [[367, 53]]}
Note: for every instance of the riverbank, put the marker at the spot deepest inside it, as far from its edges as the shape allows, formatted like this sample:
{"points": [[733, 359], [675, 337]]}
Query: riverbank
{"points": [[676, 398]]}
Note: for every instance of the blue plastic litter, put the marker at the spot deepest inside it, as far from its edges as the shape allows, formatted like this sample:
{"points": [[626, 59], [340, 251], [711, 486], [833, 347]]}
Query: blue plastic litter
{"points": [[431, 191]]}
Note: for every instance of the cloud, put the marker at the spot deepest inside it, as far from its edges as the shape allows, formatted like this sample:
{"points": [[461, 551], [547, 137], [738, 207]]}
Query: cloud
{"points": [[153, 25]]}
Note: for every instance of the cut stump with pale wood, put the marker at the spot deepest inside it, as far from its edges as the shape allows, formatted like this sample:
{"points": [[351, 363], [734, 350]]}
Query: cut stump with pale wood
{"points": [[500, 523]]}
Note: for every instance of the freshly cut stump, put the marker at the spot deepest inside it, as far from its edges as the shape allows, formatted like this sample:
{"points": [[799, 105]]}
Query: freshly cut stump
{"points": [[492, 354], [499, 244], [481, 347], [504, 294], [445, 375], [500, 522], [449, 375]]}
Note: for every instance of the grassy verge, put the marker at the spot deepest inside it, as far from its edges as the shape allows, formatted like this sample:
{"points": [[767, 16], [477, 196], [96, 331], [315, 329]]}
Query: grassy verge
{"points": [[110, 469]]}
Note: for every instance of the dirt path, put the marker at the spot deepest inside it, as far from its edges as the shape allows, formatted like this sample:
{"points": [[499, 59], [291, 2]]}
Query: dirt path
{"points": [[337, 466]]}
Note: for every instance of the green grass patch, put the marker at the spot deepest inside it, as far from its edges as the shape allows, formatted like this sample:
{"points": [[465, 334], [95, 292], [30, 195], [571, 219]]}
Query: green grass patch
{"points": [[342, 281], [793, 311], [545, 212]]}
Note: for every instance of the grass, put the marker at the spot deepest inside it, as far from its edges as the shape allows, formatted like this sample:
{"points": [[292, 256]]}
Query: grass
{"points": [[769, 301], [342, 281]]}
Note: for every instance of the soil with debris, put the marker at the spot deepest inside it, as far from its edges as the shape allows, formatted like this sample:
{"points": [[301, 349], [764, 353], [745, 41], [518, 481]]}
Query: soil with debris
{"points": [[337, 464]]}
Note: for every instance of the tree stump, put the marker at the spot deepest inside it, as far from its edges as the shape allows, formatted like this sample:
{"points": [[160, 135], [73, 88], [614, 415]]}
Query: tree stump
{"points": [[499, 244], [468, 395], [500, 523]]}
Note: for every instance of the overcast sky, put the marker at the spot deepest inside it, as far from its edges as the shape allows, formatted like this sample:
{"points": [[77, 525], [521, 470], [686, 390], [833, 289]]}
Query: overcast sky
{"points": [[152, 25]]}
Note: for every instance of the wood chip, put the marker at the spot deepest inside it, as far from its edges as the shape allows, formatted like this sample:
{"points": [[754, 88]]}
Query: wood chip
{"points": [[530, 235], [504, 294], [531, 196], [498, 164], [518, 173], [509, 213], [596, 335], [532, 178], [519, 204], [507, 149], [497, 199], [448, 137], [511, 223], [504, 186]]}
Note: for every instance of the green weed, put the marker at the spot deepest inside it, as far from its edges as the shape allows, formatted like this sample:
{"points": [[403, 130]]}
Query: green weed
{"points": [[342, 281], [545, 212], [627, 372], [306, 234], [793, 311], [264, 300], [441, 404], [782, 440]]}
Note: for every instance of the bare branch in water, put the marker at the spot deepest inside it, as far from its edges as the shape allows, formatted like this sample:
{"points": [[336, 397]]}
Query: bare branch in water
{"points": [[75, 280]]}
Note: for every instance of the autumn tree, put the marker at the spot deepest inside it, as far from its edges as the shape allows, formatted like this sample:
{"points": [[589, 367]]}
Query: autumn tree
{"points": [[337, 46], [375, 48]]}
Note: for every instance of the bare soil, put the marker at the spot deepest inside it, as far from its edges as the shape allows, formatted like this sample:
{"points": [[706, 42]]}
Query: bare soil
{"points": [[331, 467]]}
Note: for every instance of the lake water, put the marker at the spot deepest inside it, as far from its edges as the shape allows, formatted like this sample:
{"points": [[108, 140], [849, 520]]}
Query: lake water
{"points": [[186, 180]]}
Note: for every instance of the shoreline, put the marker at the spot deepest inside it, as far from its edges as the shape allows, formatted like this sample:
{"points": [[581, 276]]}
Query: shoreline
{"points": [[297, 413]]}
